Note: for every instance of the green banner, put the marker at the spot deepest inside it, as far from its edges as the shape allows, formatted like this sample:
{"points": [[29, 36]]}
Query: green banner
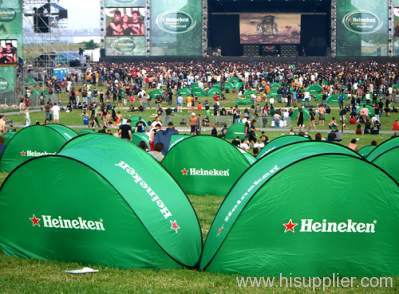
{"points": [[11, 22], [362, 28], [176, 28], [124, 3], [7, 84], [125, 46]]}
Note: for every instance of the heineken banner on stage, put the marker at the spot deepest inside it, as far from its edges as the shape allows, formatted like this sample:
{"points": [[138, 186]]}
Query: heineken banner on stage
{"points": [[277, 219], [205, 165], [7, 84], [124, 3], [100, 200], [11, 22], [176, 28], [362, 28], [125, 46]]}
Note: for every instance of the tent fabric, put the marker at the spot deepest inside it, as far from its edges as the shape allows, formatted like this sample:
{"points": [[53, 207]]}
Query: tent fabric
{"points": [[114, 205], [366, 150], [214, 90], [383, 147], [176, 139], [34, 141], [314, 89], [306, 114], [307, 227], [388, 161], [184, 92], [234, 131], [154, 94], [205, 165], [279, 142], [138, 137], [249, 157]]}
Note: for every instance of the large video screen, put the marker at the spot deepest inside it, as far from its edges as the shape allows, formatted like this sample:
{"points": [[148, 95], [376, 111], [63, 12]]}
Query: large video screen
{"points": [[270, 28], [8, 52], [125, 22]]}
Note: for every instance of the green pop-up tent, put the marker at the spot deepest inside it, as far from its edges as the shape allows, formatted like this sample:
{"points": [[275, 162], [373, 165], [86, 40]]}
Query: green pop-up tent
{"points": [[366, 150], [205, 165], [184, 91], [177, 138], [138, 137], [100, 200], [281, 219], [386, 156], [234, 131], [213, 91], [157, 93], [280, 142], [34, 141]]}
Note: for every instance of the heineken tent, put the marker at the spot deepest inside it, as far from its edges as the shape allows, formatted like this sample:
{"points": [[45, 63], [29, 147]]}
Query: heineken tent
{"points": [[205, 165], [176, 139], [307, 210], [386, 156], [383, 147], [8, 136], [306, 115], [138, 137], [250, 158], [32, 142], [135, 119], [101, 200], [184, 92], [154, 94], [279, 142], [234, 131], [86, 131], [314, 89], [213, 91], [366, 150], [199, 92]]}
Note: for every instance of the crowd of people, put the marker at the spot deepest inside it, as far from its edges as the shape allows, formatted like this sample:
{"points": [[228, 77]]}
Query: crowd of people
{"points": [[365, 91]]}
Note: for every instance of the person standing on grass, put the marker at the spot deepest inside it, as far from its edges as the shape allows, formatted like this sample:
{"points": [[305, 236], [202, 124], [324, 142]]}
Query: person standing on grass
{"points": [[55, 110], [125, 130], [193, 124]]}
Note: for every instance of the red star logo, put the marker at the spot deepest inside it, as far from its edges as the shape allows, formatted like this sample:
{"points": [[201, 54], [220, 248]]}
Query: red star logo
{"points": [[174, 226], [35, 221], [184, 172], [220, 230], [22, 153], [290, 226]]}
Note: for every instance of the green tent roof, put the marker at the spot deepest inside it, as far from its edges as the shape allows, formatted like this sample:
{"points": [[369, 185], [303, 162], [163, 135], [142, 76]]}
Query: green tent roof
{"points": [[138, 137], [235, 130], [365, 150], [383, 147], [34, 141], [279, 219], [177, 138], [280, 142], [205, 165], [107, 202]]}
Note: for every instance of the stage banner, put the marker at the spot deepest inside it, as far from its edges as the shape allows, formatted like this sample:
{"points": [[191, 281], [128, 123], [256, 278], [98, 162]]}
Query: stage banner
{"points": [[7, 84], [11, 23], [125, 46], [176, 28], [362, 28], [396, 26], [124, 3]]}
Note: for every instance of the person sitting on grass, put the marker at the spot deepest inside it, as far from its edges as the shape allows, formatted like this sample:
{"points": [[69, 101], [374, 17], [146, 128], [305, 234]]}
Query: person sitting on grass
{"points": [[353, 145]]}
